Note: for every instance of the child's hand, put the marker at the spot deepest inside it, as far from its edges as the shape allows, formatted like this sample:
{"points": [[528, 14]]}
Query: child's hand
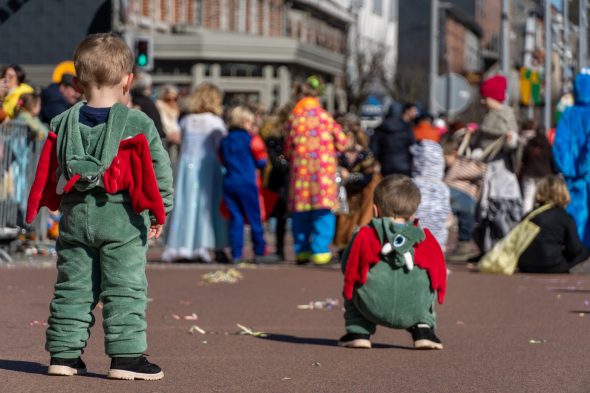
{"points": [[155, 231]]}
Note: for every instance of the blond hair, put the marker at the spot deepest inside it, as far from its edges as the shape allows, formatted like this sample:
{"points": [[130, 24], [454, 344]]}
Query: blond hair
{"points": [[552, 189], [239, 115], [397, 196], [205, 98], [102, 60]]}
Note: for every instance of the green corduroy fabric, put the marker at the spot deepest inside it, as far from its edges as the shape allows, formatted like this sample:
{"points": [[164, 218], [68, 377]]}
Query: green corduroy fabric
{"points": [[103, 242]]}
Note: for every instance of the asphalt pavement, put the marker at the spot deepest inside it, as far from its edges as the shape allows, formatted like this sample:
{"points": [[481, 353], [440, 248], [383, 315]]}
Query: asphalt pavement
{"points": [[523, 333]]}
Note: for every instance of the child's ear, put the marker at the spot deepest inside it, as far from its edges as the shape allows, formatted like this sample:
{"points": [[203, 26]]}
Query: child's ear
{"points": [[376, 211], [128, 83], [77, 85]]}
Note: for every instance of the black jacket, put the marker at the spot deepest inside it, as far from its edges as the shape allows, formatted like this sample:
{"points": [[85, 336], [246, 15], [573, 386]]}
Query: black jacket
{"points": [[557, 247], [391, 143], [52, 103], [148, 106]]}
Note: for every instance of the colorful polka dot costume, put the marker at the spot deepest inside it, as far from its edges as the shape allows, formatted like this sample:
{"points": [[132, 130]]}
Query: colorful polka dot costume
{"points": [[314, 137]]}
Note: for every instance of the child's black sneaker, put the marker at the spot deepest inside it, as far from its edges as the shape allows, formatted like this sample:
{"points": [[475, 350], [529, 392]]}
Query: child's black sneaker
{"points": [[424, 338], [354, 340], [134, 368], [66, 367]]}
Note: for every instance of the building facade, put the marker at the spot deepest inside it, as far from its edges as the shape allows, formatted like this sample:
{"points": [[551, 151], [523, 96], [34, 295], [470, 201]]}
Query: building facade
{"points": [[253, 49], [459, 45]]}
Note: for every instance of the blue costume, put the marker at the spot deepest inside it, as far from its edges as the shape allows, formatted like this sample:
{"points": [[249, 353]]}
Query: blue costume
{"points": [[571, 152], [241, 154]]}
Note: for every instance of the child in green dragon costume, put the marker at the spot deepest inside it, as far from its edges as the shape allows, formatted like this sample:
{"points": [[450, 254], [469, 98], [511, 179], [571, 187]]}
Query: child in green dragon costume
{"points": [[393, 270], [104, 229]]}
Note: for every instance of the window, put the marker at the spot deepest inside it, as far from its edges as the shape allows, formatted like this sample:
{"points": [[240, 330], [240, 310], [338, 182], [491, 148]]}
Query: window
{"points": [[378, 7], [198, 12], [393, 7]]}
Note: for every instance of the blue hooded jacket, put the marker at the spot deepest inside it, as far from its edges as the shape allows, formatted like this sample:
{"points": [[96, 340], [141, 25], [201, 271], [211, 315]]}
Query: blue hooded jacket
{"points": [[571, 152]]}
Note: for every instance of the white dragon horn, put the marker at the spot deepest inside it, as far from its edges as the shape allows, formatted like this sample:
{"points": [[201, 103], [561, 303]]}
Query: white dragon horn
{"points": [[387, 249], [409, 260]]}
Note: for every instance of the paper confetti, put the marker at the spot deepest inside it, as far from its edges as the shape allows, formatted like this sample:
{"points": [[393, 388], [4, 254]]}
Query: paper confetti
{"points": [[531, 341], [460, 323], [197, 329], [586, 303], [328, 304], [192, 317], [582, 314], [249, 332], [316, 364], [185, 302], [286, 379], [175, 316], [230, 276], [37, 323]]}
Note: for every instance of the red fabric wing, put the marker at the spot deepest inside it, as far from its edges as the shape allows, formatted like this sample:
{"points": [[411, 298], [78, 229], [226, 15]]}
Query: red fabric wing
{"points": [[429, 256], [43, 191], [363, 254]]}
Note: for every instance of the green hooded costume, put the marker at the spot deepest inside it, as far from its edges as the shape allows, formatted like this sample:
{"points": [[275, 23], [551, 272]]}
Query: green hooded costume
{"points": [[393, 295], [102, 242]]}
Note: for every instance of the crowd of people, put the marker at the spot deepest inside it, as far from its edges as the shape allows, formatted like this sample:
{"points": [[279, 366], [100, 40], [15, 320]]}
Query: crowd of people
{"points": [[387, 200], [300, 167]]}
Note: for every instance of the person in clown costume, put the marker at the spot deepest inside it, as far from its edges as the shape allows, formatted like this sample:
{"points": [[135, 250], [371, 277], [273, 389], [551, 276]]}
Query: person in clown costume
{"points": [[571, 156], [313, 140]]}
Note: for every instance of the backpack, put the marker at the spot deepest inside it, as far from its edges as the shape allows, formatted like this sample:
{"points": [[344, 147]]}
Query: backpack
{"points": [[503, 257]]}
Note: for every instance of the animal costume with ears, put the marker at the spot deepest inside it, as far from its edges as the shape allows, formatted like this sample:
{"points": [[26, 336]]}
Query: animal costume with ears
{"points": [[112, 172], [391, 275]]}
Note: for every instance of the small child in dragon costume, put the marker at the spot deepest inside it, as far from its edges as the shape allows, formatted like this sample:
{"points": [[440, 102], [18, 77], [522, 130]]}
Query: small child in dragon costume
{"points": [[392, 271]]}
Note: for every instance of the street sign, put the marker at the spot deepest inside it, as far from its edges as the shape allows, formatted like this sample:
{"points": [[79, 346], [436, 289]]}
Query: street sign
{"points": [[452, 93]]}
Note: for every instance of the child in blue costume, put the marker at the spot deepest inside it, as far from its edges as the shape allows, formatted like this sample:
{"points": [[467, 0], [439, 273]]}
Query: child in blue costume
{"points": [[572, 156], [242, 154], [393, 270], [101, 250]]}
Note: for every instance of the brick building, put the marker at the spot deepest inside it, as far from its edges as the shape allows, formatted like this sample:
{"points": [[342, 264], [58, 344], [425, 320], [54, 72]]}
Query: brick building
{"points": [[253, 49]]}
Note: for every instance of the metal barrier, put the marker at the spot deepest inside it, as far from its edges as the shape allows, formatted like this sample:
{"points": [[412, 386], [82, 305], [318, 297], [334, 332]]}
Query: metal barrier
{"points": [[18, 163]]}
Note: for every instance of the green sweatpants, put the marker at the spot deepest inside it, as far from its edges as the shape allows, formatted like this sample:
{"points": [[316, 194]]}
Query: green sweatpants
{"points": [[101, 255]]}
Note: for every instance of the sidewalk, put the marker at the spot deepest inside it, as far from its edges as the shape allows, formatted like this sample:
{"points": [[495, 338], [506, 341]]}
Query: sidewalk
{"points": [[501, 334]]}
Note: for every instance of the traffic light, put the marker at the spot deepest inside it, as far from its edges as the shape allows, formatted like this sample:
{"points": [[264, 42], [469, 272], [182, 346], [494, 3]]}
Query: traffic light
{"points": [[143, 49]]}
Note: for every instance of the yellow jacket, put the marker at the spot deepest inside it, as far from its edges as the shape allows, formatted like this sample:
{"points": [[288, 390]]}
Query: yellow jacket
{"points": [[11, 99]]}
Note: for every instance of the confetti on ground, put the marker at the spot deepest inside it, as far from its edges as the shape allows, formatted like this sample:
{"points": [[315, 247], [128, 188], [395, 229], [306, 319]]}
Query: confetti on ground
{"points": [[582, 314], [150, 299], [531, 341], [185, 302], [197, 329], [559, 296], [37, 323], [460, 323], [249, 332], [586, 303], [192, 317], [316, 364], [175, 316], [327, 304], [204, 341], [286, 379], [243, 265], [230, 276]]}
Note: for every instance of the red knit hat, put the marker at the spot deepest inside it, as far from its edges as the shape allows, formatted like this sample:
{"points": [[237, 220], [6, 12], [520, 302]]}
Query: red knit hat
{"points": [[494, 88]]}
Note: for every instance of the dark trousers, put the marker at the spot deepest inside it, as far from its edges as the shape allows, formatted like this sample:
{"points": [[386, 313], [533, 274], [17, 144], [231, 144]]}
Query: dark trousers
{"points": [[243, 204], [463, 206]]}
